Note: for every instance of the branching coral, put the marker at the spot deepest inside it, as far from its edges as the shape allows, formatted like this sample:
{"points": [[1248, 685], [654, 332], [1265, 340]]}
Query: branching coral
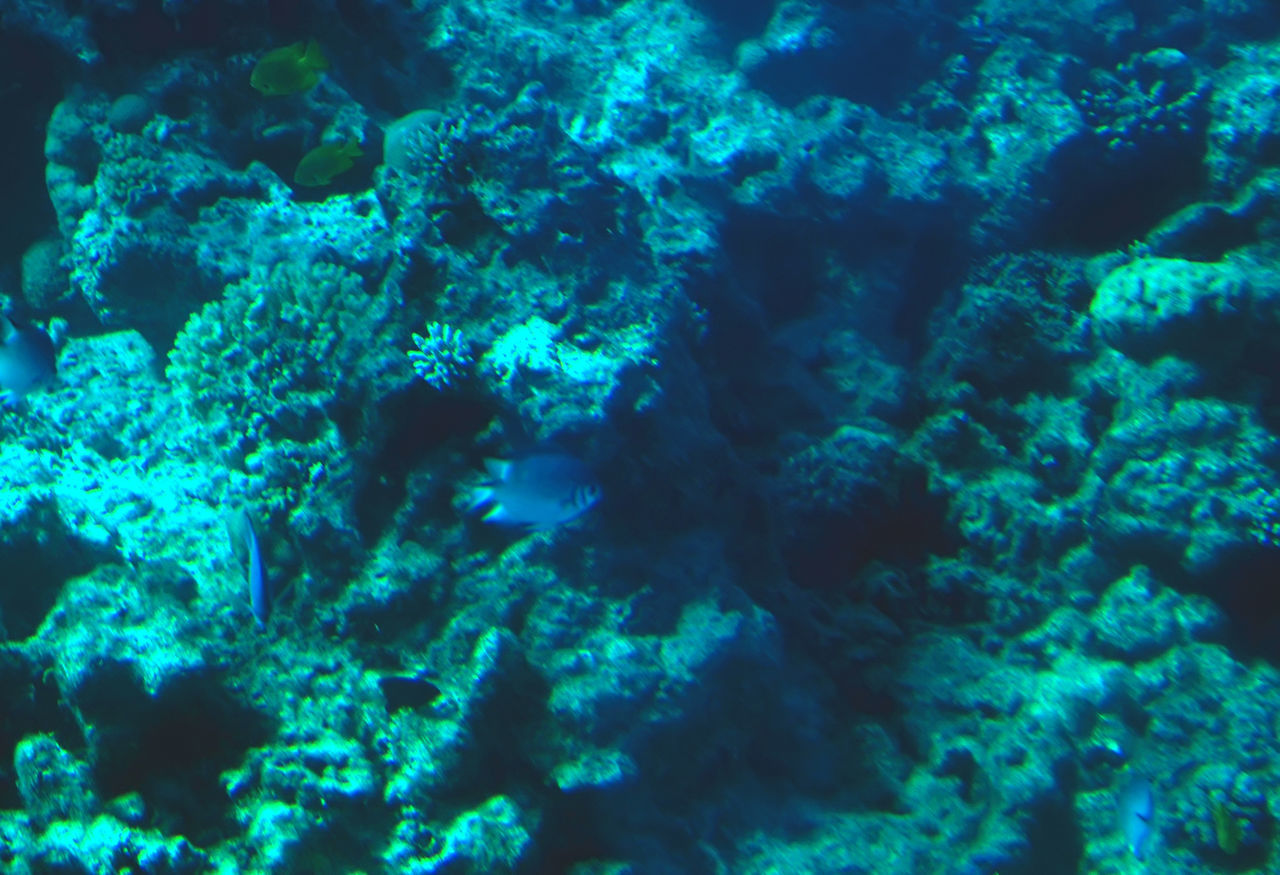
{"points": [[286, 370], [283, 348], [442, 357]]}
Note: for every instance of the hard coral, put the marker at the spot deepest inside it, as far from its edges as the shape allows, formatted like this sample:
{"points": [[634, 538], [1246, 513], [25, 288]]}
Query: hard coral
{"points": [[283, 369], [283, 347], [442, 355]]}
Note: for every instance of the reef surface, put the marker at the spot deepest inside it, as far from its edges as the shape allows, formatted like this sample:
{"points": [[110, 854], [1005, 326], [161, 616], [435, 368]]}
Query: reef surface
{"points": [[887, 404]]}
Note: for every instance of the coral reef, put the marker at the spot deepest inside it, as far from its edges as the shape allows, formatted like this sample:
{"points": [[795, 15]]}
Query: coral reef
{"points": [[921, 359]]}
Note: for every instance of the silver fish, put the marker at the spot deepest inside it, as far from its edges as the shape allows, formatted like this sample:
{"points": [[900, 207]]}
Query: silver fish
{"points": [[1137, 810], [244, 543], [539, 491], [27, 360]]}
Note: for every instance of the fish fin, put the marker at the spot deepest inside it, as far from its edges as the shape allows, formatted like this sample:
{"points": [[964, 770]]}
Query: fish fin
{"points": [[480, 496], [497, 514], [314, 56], [351, 149], [498, 468]]}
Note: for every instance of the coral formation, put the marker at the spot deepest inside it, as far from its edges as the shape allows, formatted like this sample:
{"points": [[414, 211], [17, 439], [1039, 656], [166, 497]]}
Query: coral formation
{"points": [[443, 356], [915, 363]]}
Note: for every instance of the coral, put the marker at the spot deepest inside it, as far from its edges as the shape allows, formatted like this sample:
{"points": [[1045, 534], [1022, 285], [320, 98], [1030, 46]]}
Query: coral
{"points": [[1155, 99], [286, 795], [1012, 326], [1135, 621], [561, 385], [44, 279], [286, 370], [493, 837], [1179, 476], [443, 355], [1155, 306], [104, 844], [134, 227], [1245, 117], [513, 172], [280, 348], [54, 785], [162, 210]]}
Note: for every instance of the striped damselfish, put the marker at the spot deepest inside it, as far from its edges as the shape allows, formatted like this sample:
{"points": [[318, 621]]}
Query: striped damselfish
{"points": [[540, 491]]}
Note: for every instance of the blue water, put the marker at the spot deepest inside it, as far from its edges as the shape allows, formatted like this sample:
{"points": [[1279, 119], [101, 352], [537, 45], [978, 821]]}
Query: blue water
{"points": [[630, 438]]}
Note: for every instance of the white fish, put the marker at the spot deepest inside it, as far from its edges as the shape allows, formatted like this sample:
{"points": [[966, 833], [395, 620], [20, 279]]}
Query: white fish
{"points": [[539, 491]]}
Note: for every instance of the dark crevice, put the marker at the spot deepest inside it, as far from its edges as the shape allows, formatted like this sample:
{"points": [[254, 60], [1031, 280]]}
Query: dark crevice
{"points": [[171, 747], [146, 30], [421, 421], [35, 568], [1055, 836], [30, 86], [826, 550], [1243, 586], [1101, 201], [776, 261], [31, 705]]}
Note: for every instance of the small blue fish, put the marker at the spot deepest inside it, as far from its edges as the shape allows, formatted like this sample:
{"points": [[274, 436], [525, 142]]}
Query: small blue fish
{"points": [[1137, 805], [244, 543], [539, 491], [27, 360]]}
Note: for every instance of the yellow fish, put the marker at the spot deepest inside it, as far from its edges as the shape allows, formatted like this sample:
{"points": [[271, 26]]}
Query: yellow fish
{"points": [[324, 162], [289, 70]]}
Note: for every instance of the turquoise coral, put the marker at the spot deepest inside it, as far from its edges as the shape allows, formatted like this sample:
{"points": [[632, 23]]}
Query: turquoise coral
{"points": [[278, 370], [442, 357]]}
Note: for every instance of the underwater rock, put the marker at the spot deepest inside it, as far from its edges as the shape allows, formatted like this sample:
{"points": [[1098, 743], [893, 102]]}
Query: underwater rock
{"points": [[54, 785], [129, 113], [44, 278], [1160, 306]]}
